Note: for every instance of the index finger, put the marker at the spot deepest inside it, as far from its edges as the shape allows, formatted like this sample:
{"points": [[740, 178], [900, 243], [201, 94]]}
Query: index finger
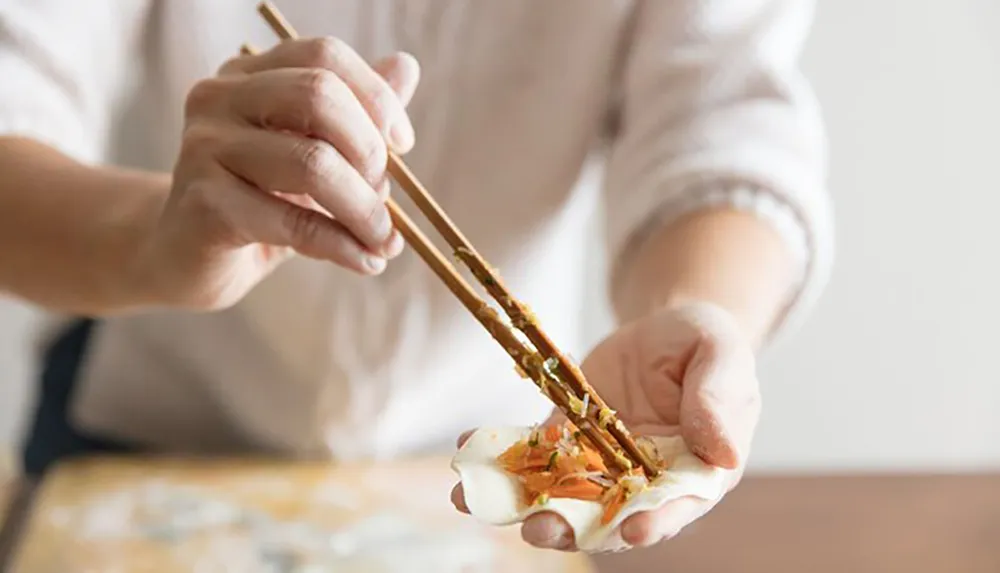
{"points": [[379, 100]]}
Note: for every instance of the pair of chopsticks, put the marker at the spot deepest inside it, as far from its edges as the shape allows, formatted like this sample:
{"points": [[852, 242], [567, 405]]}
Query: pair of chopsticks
{"points": [[557, 377]]}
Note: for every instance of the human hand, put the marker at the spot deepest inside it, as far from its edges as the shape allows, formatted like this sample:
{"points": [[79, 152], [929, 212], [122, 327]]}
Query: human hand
{"points": [[282, 152], [687, 371]]}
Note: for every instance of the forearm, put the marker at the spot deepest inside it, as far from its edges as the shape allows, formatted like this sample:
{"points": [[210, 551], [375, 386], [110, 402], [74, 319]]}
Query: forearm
{"points": [[726, 257], [70, 233]]}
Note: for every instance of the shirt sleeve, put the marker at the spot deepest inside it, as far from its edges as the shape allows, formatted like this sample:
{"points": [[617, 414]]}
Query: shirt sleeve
{"points": [[64, 65], [714, 112]]}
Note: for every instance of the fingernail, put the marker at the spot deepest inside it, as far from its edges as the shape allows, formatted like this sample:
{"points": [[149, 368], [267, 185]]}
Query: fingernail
{"points": [[401, 136], [395, 245], [375, 265], [563, 542], [638, 535], [543, 535], [632, 532], [382, 223], [383, 188]]}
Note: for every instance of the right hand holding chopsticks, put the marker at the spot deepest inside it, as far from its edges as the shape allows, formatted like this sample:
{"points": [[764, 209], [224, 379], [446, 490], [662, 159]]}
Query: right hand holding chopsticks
{"points": [[282, 152]]}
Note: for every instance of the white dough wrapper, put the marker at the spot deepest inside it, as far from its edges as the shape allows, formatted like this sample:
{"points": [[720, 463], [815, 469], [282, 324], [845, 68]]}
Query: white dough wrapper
{"points": [[494, 496]]}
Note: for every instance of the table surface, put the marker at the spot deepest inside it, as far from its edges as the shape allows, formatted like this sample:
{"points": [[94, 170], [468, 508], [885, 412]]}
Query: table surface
{"points": [[161, 515], [9, 490], [874, 524], [862, 524]]}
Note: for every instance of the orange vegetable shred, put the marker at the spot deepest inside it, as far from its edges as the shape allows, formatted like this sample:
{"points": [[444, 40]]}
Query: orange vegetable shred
{"points": [[557, 462]]}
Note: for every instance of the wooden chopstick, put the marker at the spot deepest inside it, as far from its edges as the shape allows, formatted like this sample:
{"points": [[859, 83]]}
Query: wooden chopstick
{"points": [[518, 313], [521, 354], [565, 371]]}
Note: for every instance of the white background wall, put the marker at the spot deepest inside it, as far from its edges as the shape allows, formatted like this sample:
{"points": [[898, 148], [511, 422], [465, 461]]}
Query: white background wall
{"points": [[900, 365]]}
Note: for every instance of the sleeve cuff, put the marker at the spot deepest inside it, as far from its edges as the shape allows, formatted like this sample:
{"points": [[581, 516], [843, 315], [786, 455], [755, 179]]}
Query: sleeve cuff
{"points": [[766, 206], [770, 208]]}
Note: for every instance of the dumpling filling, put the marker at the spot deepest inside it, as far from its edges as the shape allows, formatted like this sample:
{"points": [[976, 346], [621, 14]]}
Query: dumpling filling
{"points": [[509, 474], [559, 462]]}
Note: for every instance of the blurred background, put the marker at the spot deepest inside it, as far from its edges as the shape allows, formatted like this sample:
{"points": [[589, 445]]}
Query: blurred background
{"points": [[898, 367]]}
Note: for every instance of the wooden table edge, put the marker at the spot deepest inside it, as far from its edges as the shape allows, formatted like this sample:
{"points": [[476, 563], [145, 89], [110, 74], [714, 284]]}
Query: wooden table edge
{"points": [[15, 519]]}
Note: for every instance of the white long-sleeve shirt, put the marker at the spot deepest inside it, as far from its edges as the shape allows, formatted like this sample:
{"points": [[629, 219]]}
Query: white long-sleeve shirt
{"points": [[530, 116]]}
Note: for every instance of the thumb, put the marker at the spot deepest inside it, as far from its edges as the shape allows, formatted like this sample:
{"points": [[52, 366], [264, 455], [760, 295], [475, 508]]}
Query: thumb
{"points": [[720, 402], [402, 72]]}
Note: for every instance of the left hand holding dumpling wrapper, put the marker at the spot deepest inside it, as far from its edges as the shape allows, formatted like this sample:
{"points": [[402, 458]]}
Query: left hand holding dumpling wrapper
{"points": [[684, 373]]}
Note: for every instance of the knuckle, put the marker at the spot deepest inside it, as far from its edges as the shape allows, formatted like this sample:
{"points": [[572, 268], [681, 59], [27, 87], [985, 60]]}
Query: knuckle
{"points": [[710, 347], [199, 135], [204, 96], [232, 65], [381, 105], [304, 227], [315, 159], [327, 52], [321, 88], [374, 215], [718, 346], [200, 142], [372, 158]]}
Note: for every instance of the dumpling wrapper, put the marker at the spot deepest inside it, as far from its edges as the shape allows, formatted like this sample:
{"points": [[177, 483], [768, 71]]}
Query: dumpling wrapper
{"points": [[495, 496]]}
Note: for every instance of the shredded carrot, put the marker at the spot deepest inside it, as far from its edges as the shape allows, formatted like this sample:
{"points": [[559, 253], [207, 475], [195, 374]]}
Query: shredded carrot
{"points": [[539, 482], [594, 461], [552, 433], [558, 462], [614, 506], [577, 488]]}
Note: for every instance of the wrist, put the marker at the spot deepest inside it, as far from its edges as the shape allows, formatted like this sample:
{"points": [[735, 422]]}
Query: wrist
{"points": [[723, 257], [141, 280], [70, 233]]}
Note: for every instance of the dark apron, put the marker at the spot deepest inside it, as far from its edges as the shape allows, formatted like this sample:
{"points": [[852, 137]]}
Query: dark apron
{"points": [[51, 436]]}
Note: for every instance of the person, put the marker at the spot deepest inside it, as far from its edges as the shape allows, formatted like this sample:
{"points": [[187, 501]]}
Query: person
{"points": [[212, 226]]}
